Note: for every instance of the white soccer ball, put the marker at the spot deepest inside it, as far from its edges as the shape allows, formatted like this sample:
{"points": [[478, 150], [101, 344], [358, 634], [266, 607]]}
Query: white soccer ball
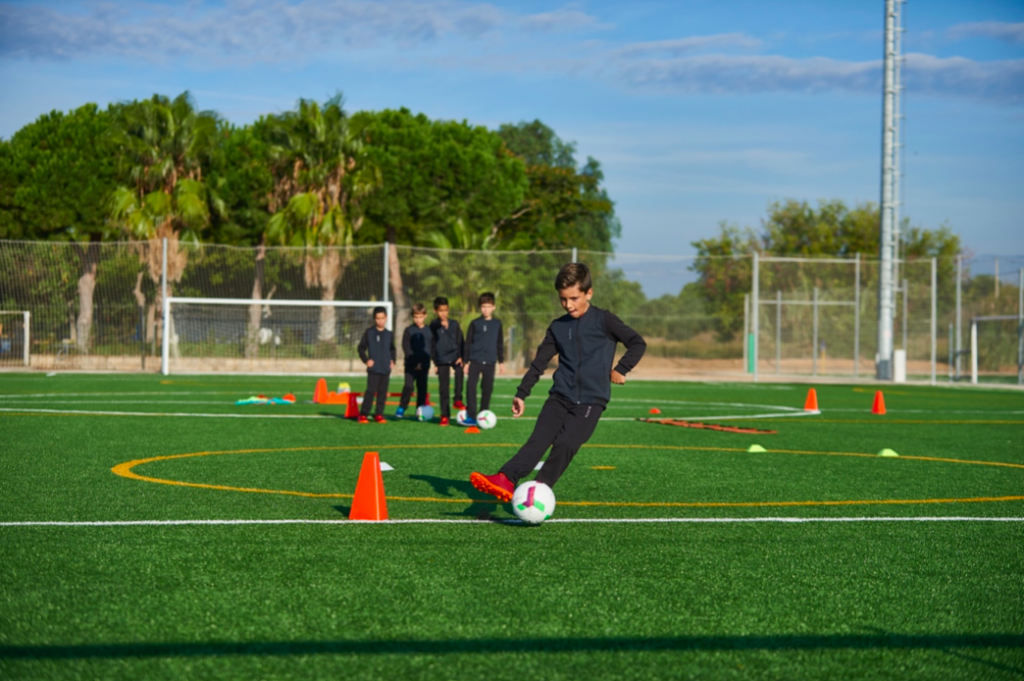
{"points": [[486, 419], [424, 413], [460, 417], [533, 502]]}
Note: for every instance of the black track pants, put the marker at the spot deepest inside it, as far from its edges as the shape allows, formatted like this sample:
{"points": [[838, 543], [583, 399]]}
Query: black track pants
{"points": [[443, 381], [376, 387], [476, 372], [564, 428], [419, 377]]}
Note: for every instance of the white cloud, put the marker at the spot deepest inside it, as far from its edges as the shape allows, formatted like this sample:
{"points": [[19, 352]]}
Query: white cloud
{"points": [[998, 30], [560, 21], [1001, 81], [240, 30], [691, 44]]}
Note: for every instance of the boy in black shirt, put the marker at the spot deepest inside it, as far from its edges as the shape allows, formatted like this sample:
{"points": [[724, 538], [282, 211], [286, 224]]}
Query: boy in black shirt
{"points": [[447, 335], [585, 341], [377, 350], [485, 347], [417, 343]]}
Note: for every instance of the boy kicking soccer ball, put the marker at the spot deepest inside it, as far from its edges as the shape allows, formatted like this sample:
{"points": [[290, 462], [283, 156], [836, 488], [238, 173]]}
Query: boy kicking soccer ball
{"points": [[584, 339]]}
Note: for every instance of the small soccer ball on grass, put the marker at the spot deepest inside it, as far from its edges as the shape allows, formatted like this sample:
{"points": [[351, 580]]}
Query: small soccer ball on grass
{"points": [[533, 502], [486, 419], [424, 413], [461, 416]]}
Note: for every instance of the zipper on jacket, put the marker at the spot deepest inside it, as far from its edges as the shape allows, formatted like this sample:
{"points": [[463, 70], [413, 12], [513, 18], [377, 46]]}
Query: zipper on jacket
{"points": [[579, 363]]}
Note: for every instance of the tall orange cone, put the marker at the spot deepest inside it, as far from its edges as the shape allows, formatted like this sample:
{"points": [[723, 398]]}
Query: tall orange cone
{"points": [[320, 394], [811, 403], [369, 502], [879, 405]]}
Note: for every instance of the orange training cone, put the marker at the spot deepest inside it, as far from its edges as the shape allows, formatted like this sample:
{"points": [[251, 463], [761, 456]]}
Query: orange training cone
{"points": [[879, 406], [320, 394], [369, 502], [655, 410], [811, 404], [471, 429]]}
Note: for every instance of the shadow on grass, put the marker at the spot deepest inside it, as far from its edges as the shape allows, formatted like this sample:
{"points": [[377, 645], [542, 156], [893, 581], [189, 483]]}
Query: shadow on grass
{"points": [[481, 509], [530, 645]]}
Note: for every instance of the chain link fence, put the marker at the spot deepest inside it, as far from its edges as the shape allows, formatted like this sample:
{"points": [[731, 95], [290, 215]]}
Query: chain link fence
{"points": [[99, 307]]}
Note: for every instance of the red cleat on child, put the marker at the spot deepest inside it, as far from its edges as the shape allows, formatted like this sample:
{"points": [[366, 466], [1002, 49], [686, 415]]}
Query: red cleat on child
{"points": [[497, 485], [444, 420], [380, 419], [363, 419], [459, 405]]}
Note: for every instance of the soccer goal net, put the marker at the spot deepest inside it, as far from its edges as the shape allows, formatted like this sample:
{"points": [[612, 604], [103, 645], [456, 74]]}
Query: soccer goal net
{"points": [[997, 347], [265, 336], [14, 338]]}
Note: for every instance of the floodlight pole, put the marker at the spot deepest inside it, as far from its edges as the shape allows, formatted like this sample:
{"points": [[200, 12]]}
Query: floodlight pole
{"points": [[755, 305], [890, 182]]}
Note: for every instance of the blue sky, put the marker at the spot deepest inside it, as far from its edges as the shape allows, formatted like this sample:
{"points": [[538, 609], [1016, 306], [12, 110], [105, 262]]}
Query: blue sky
{"points": [[699, 112]]}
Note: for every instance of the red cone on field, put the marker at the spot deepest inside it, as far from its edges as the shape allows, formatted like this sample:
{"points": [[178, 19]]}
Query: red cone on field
{"points": [[471, 429], [655, 410], [369, 502], [320, 394], [879, 406], [811, 403]]}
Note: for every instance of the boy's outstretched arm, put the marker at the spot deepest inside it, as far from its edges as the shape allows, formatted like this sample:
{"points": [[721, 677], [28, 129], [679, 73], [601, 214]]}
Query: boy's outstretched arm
{"points": [[634, 342], [545, 351]]}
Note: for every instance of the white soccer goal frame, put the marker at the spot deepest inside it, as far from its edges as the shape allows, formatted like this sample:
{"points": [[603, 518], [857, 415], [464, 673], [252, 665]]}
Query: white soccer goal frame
{"points": [[168, 324], [27, 316], [974, 344]]}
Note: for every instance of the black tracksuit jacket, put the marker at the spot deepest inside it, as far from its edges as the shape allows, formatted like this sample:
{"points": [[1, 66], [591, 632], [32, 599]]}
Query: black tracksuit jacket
{"points": [[417, 344], [447, 342], [586, 351], [380, 347], [484, 342]]}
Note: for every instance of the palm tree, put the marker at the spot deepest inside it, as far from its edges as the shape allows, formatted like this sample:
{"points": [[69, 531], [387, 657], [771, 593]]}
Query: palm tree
{"points": [[320, 178], [163, 143]]}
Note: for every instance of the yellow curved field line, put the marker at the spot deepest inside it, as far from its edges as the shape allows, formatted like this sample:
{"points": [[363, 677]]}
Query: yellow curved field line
{"points": [[125, 470]]}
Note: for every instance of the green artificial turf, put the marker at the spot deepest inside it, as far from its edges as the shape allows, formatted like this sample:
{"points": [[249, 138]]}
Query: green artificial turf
{"points": [[873, 600]]}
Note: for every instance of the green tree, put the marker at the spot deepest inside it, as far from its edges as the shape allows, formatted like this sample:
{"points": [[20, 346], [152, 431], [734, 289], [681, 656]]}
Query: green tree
{"points": [[56, 175], [564, 207], [322, 175], [162, 147], [795, 228], [436, 174], [241, 174]]}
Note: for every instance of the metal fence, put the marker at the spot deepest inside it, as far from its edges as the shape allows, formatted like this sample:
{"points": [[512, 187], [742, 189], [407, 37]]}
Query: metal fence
{"points": [[98, 307]]}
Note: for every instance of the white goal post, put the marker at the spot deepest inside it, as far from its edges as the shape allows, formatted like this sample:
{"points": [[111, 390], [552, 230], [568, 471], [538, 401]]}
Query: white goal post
{"points": [[7, 340], [262, 336]]}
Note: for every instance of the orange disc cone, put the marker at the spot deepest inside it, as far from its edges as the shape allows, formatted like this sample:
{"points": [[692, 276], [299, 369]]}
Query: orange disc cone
{"points": [[471, 429], [320, 394], [811, 403], [369, 502], [655, 410], [879, 406]]}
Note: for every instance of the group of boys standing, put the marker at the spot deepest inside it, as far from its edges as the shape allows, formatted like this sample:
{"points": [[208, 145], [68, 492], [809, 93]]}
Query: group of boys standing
{"points": [[478, 354]]}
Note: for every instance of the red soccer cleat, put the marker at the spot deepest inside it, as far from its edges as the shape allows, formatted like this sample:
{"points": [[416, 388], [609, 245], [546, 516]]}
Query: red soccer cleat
{"points": [[497, 485], [379, 418], [363, 419], [459, 405], [444, 420]]}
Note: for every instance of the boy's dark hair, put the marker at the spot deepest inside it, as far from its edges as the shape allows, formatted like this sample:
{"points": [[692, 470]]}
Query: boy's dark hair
{"points": [[378, 310], [419, 308], [439, 301], [486, 298], [574, 274]]}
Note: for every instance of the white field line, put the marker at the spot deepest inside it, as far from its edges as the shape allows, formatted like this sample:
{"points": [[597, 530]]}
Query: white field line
{"points": [[439, 521], [92, 412]]}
